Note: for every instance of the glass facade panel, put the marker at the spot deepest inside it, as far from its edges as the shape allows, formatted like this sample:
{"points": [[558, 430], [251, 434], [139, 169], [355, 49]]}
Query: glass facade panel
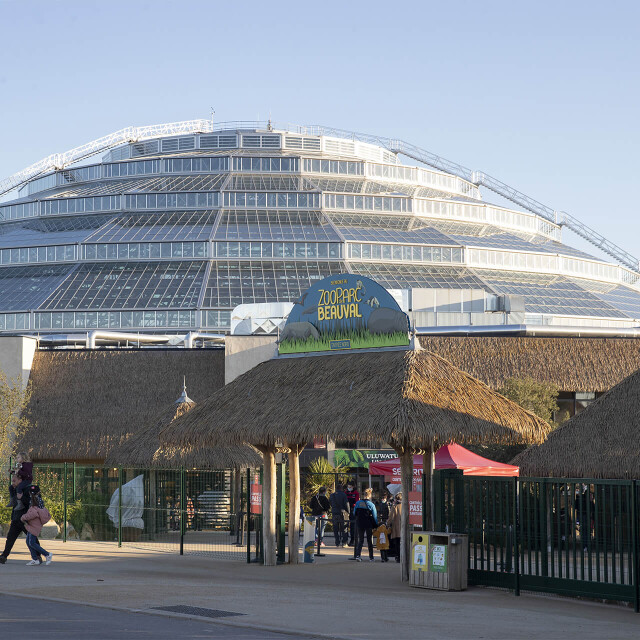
{"points": [[549, 294], [400, 276], [23, 288], [231, 283], [274, 225], [130, 284]]}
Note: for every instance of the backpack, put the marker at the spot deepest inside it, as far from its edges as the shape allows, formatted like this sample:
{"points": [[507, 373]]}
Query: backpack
{"points": [[365, 514]]}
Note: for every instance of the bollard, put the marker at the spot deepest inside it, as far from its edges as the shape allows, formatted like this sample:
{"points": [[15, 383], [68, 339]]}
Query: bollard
{"points": [[309, 539]]}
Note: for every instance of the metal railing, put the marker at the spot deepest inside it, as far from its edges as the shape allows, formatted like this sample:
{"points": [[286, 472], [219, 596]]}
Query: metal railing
{"points": [[190, 512]]}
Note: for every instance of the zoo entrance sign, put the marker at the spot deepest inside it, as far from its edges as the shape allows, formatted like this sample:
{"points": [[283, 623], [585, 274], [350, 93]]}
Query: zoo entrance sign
{"points": [[341, 312]]}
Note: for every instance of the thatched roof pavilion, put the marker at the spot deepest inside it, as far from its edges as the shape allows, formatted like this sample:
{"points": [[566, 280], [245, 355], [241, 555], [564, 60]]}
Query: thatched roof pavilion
{"points": [[410, 399], [602, 441], [85, 402], [143, 448], [392, 396]]}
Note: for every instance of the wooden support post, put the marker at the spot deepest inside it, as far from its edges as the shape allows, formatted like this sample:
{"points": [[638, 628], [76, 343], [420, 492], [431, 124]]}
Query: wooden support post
{"points": [[428, 464], [269, 506], [406, 465], [294, 504]]}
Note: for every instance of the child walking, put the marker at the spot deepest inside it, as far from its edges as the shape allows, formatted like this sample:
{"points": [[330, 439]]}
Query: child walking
{"points": [[35, 518]]}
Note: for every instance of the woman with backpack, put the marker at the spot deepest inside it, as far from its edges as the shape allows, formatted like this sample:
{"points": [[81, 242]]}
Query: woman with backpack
{"points": [[366, 521], [35, 518]]}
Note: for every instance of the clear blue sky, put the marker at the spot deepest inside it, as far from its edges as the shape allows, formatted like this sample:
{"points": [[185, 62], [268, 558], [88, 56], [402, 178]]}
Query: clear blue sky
{"points": [[544, 96]]}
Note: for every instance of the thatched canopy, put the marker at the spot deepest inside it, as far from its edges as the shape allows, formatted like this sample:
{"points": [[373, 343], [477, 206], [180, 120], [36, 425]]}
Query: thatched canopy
{"points": [[394, 396], [143, 448], [572, 364], [602, 441], [85, 402]]}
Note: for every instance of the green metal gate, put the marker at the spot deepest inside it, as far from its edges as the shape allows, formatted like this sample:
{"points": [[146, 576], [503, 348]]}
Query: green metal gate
{"points": [[185, 511], [571, 536]]}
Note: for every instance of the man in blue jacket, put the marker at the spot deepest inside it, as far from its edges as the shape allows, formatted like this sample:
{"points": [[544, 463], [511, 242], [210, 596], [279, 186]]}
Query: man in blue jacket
{"points": [[366, 521]]}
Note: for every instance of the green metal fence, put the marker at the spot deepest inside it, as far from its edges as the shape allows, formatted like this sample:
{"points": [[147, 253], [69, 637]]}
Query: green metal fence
{"points": [[571, 536], [186, 511]]}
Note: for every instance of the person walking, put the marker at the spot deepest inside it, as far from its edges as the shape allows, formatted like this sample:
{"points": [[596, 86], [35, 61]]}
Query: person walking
{"points": [[352, 496], [366, 521], [320, 506], [35, 518], [21, 506], [339, 510], [394, 523]]}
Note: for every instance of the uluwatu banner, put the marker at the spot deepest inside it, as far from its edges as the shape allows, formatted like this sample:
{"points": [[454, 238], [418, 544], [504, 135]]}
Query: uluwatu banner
{"points": [[341, 312]]}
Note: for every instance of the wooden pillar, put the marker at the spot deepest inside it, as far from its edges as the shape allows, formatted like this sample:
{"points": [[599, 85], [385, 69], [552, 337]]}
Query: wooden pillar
{"points": [[269, 506], [428, 465], [237, 499], [294, 503], [406, 465]]}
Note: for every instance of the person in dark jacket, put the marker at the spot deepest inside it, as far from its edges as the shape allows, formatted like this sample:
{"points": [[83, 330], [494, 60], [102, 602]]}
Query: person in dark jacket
{"points": [[339, 506], [366, 521], [21, 506], [320, 506], [383, 508], [352, 496]]}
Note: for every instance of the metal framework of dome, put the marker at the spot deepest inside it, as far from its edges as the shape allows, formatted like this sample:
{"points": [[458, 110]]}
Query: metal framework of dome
{"points": [[179, 223]]}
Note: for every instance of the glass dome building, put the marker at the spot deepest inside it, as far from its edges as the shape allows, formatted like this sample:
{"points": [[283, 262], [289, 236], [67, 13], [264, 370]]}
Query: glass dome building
{"points": [[175, 225]]}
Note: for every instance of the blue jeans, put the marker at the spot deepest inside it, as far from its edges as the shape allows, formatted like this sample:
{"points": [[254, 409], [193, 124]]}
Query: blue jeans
{"points": [[34, 547], [321, 523]]}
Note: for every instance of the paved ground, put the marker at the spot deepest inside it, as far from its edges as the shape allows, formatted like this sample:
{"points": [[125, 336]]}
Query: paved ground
{"points": [[334, 598], [57, 619]]}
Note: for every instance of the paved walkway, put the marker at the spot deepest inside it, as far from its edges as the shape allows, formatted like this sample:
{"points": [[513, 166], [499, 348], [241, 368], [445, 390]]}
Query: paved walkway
{"points": [[62, 620], [335, 597]]}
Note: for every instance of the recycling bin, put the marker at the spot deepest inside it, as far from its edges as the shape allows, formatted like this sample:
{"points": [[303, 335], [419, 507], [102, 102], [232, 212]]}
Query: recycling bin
{"points": [[439, 561]]}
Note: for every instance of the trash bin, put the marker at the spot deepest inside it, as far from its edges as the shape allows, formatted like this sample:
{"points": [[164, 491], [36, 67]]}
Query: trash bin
{"points": [[439, 561]]}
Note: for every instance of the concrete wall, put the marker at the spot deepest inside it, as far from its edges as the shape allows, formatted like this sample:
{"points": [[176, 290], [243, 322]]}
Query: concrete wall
{"points": [[245, 352], [16, 357]]}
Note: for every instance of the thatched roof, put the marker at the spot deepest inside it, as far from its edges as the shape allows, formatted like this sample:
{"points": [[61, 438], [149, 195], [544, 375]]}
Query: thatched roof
{"points": [[572, 364], [394, 396], [602, 441], [143, 449], [86, 402]]}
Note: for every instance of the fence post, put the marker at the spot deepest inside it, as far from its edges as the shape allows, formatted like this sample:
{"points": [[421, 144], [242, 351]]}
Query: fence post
{"points": [[437, 498], [119, 506], [545, 538], [248, 516], [74, 482], [516, 538], [64, 518], [634, 529], [458, 504], [183, 509]]}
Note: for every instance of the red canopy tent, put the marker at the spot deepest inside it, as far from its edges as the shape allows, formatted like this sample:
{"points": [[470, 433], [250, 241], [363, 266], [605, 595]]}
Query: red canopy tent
{"points": [[450, 456]]}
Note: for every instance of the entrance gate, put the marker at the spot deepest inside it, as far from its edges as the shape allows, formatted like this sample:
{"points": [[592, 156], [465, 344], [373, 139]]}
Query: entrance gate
{"points": [[572, 536]]}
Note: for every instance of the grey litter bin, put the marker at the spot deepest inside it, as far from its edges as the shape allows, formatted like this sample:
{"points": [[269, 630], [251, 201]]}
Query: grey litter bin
{"points": [[439, 561]]}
